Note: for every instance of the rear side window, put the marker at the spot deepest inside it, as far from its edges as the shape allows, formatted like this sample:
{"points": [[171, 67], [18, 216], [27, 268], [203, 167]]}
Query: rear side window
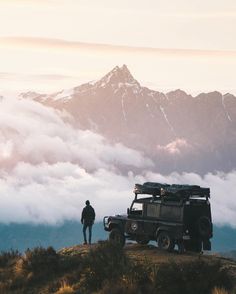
{"points": [[153, 210], [171, 212]]}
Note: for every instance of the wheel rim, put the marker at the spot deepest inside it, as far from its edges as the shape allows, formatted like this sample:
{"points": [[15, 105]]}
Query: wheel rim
{"points": [[164, 242]]}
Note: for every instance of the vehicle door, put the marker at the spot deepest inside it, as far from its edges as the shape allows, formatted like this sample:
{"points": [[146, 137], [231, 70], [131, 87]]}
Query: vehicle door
{"points": [[135, 223]]}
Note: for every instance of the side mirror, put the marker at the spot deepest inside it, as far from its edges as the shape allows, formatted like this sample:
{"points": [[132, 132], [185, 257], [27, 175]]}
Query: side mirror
{"points": [[128, 211]]}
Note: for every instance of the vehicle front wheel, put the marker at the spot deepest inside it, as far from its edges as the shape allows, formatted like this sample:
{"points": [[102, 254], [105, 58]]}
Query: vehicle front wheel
{"points": [[117, 236], [165, 242]]}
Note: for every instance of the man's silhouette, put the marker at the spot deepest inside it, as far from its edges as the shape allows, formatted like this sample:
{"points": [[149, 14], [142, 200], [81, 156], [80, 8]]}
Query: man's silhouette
{"points": [[87, 219]]}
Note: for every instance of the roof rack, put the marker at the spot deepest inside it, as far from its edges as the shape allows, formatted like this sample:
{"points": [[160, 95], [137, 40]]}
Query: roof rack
{"points": [[177, 191]]}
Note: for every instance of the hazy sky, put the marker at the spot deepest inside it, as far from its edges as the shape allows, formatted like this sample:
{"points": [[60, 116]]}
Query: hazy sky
{"points": [[48, 45], [47, 167]]}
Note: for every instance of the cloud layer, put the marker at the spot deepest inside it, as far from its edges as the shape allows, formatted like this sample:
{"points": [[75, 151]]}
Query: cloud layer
{"points": [[61, 44], [48, 170], [33, 133]]}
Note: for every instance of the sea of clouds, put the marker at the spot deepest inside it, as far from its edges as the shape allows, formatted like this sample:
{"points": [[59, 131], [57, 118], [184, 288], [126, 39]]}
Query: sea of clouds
{"points": [[48, 169]]}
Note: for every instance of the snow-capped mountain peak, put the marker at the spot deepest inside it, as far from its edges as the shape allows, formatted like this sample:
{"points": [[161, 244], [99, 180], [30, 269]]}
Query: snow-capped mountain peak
{"points": [[117, 76]]}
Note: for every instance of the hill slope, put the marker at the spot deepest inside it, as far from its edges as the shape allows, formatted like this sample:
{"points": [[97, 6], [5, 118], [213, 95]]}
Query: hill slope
{"points": [[106, 268]]}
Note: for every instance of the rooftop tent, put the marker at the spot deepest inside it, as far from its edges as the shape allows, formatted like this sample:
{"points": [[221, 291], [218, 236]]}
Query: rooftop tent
{"points": [[182, 191]]}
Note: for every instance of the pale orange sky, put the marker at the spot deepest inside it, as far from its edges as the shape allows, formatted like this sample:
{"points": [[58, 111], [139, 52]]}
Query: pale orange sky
{"points": [[53, 44]]}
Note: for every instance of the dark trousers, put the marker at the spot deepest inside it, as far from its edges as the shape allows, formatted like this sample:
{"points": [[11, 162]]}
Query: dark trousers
{"points": [[89, 226]]}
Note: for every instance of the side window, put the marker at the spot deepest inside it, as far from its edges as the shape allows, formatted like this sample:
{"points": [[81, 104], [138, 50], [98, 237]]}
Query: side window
{"points": [[171, 212], [153, 210], [137, 208]]}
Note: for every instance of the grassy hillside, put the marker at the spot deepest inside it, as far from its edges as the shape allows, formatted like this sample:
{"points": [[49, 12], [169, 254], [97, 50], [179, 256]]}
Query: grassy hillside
{"points": [[105, 268]]}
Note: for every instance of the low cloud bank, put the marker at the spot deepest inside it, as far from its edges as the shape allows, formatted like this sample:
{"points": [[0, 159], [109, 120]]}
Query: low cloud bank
{"points": [[48, 170], [53, 193], [33, 133]]}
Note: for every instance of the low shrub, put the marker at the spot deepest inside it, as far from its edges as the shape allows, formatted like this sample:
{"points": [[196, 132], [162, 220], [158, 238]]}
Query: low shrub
{"points": [[106, 261], [69, 263], [219, 291], [140, 274], [120, 288], [65, 289], [38, 262], [196, 277], [8, 256]]}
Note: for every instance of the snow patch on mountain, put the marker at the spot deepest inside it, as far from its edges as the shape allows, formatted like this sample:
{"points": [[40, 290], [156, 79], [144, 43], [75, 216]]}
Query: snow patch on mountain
{"points": [[149, 110], [65, 95], [175, 147], [224, 106], [166, 118], [123, 108], [166, 96]]}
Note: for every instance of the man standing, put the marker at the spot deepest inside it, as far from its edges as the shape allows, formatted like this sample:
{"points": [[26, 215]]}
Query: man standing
{"points": [[87, 219]]}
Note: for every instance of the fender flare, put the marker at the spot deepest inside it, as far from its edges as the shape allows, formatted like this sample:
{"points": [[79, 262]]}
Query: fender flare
{"points": [[115, 224], [163, 228]]}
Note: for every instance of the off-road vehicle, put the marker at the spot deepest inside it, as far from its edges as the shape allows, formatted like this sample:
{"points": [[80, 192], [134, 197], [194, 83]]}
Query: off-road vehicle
{"points": [[168, 214]]}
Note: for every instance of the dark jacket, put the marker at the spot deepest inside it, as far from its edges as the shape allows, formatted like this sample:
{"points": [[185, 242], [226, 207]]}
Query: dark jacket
{"points": [[88, 215]]}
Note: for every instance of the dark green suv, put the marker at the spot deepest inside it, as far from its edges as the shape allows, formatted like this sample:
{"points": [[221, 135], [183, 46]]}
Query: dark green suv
{"points": [[169, 214]]}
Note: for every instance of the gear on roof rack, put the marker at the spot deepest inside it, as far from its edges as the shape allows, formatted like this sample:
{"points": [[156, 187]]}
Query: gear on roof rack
{"points": [[180, 191]]}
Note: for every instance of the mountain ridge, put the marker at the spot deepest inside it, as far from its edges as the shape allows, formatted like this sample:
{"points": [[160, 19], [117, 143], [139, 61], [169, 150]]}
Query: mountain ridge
{"points": [[124, 71], [185, 133]]}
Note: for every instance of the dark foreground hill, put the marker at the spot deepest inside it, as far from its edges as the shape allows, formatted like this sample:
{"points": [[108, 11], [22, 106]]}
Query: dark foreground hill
{"points": [[105, 268]]}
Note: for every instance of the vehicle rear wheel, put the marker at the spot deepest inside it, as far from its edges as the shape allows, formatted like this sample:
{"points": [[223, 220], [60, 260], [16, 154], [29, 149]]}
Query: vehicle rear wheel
{"points": [[117, 236], [204, 226], [165, 242], [142, 240], [181, 248]]}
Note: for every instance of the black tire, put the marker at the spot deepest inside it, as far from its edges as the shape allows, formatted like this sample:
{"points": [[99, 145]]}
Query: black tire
{"points": [[204, 226], [165, 241], [181, 248], [142, 240], [117, 236]]}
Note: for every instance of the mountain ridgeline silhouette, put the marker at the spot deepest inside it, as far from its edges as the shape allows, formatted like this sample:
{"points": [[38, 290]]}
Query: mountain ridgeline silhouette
{"points": [[177, 131]]}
